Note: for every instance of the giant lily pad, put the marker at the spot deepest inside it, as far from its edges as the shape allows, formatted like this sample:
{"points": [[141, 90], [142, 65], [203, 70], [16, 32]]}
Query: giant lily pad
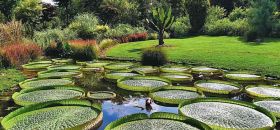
{"points": [[177, 77], [263, 91], [64, 67], [45, 94], [101, 95], [206, 70], [62, 61], [270, 105], [113, 77], [141, 83], [37, 65], [159, 120], [228, 114], [96, 64], [37, 83], [145, 70], [175, 69], [118, 66], [218, 87], [55, 115], [243, 76], [175, 95], [58, 74]]}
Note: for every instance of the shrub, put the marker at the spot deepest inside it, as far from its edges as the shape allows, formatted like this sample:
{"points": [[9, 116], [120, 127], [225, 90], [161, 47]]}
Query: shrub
{"points": [[197, 10], [260, 16], [55, 50], [227, 4], [2, 17], [85, 26], [18, 54], [137, 37], [153, 57], [47, 37], [180, 27], [11, 32], [107, 43], [251, 36], [238, 13], [83, 53]]}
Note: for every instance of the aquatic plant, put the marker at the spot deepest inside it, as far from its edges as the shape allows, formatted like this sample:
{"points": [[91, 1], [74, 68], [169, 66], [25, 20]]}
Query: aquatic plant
{"points": [[64, 67], [228, 114], [175, 69], [142, 83], [263, 91], [37, 65], [244, 76], [146, 70], [177, 77], [118, 66], [218, 87], [271, 105], [175, 95], [206, 70], [37, 83], [62, 61], [57, 74], [45, 94], [91, 70], [64, 114], [96, 64], [101, 95], [113, 77]]}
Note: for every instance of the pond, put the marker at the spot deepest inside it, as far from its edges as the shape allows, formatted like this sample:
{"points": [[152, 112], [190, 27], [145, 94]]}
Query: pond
{"points": [[129, 102]]}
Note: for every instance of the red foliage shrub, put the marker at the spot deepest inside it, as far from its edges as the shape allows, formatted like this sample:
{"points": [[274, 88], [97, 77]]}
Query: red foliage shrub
{"points": [[133, 37], [18, 54]]}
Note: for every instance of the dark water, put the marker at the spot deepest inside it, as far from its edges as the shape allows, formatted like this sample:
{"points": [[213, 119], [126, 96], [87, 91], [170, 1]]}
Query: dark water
{"points": [[126, 102]]}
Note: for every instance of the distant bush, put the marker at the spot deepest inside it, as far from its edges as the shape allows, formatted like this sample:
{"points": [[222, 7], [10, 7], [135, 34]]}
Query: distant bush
{"points": [[197, 10], [251, 36], [11, 32], [83, 53], [55, 50], [238, 13], [18, 54], [153, 57], [47, 37], [180, 27], [85, 26], [107, 43]]}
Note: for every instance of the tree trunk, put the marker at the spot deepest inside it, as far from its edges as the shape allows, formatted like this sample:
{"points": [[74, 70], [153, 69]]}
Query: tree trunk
{"points": [[160, 38]]}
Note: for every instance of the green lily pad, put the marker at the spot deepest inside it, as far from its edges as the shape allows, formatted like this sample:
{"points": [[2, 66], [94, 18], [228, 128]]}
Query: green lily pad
{"points": [[57, 74], [118, 66], [218, 87], [175, 69], [64, 67], [243, 76], [101, 95], [270, 105], [113, 77], [206, 70], [177, 77], [146, 70], [37, 83], [263, 91]]}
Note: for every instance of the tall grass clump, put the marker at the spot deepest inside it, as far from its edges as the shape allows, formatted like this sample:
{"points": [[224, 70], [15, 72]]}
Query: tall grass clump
{"points": [[11, 32], [107, 43], [153, 57]]}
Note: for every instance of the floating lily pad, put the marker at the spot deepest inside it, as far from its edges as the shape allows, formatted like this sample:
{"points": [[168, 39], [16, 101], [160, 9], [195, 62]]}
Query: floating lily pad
{"points": [[218, 87], [65, 114], [243, 76], [146, 70], [263, 91], [36, 66], [272, 106], [118, 66], [64, 67], [101, 95], [228, 114], [92, 70], [113, 77], [62, 61], [41, 62], [141, 83], [175, 95], [206, 70], [37, 83], [158, 120], [45, 94], [57, 74], [175, 69], [177, 77], [96, 64]]}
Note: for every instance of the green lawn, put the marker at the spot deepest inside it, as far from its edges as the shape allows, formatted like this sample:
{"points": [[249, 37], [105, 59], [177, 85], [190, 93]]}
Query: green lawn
{"points": [[221, 52], [9, 78]]}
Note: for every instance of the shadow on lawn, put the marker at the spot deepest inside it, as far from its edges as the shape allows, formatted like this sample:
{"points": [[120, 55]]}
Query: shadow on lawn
{"points": [[263, 42], [138, 51]]}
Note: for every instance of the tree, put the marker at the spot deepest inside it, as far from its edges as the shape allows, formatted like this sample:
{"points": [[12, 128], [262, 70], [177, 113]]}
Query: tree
{"points": [[197, 10], [162, 19], [226, 4], [29, 12], [6, 7], [261, 16]]}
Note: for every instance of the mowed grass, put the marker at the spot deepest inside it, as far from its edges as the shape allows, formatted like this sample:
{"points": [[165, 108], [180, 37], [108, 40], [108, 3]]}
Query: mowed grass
{"points": [[220, 52]]}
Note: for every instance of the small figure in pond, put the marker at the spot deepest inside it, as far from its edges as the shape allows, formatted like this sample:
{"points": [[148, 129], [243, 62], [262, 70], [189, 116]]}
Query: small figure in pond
{"points": [[149, 102]]}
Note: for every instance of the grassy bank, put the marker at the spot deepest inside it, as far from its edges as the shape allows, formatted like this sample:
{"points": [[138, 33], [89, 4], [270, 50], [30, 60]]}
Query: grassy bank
{"points": [[9, 78], [221, 52]]}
